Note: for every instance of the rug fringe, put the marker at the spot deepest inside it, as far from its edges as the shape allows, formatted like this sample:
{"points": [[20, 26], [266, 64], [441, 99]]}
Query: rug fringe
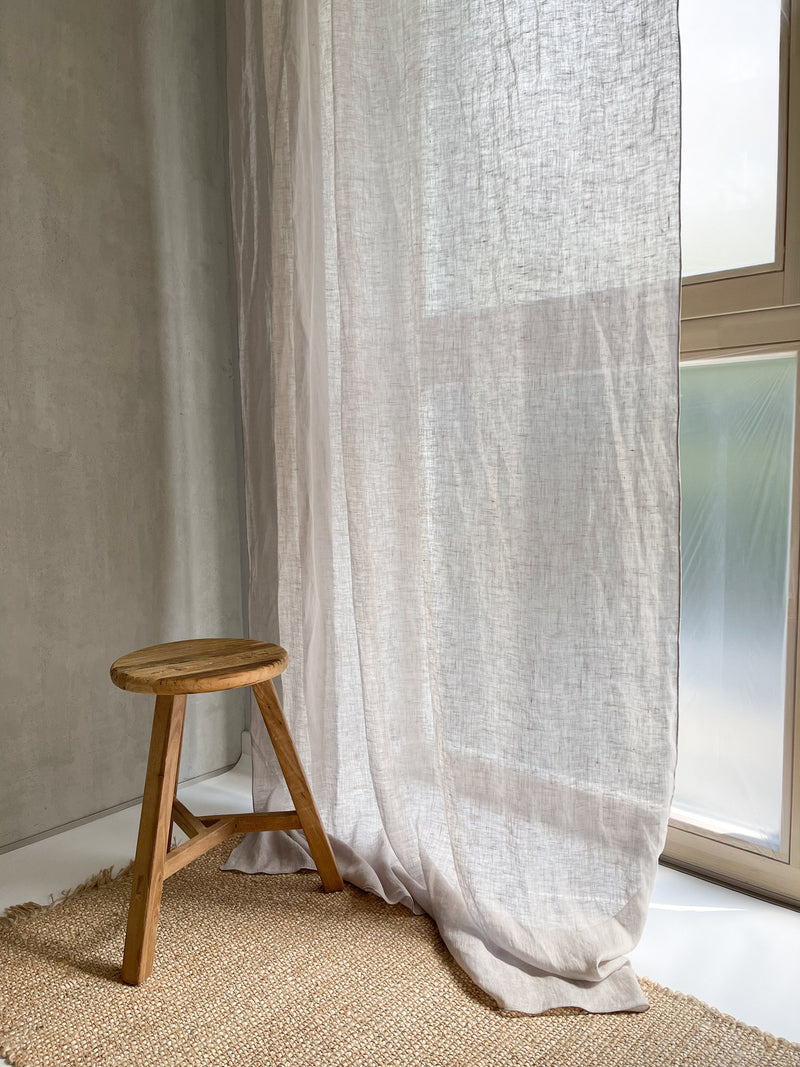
{"points": [[770, 1040], [13, 914]]}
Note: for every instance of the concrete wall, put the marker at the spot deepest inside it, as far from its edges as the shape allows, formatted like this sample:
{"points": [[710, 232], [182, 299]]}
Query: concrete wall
{"points": [[120, 466]]}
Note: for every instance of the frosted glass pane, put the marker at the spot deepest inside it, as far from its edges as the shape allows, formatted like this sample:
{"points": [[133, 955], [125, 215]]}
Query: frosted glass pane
{"points": [[730, 52], [736, 440]]}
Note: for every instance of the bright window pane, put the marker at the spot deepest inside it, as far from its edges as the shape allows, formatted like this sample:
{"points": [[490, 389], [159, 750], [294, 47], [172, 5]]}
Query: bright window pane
{"points": [[730, 53], [736, 441]]}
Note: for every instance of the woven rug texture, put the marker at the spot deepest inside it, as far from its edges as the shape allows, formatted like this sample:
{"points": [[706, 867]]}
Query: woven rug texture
{"points": [[257, 970]]}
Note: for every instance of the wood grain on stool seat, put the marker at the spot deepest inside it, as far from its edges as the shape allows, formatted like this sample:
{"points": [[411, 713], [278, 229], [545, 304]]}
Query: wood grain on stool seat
{"points": [[208, 665]]}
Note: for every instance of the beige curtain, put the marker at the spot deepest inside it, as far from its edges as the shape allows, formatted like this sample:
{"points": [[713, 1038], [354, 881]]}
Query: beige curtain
{"points": [[458, 279]]}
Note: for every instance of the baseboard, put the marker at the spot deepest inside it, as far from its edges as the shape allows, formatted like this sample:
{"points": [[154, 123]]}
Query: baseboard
{"points": [[13, 845]]}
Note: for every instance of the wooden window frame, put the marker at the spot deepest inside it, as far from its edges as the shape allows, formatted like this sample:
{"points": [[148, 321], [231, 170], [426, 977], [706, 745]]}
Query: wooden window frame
{"points": [[755, 311]]}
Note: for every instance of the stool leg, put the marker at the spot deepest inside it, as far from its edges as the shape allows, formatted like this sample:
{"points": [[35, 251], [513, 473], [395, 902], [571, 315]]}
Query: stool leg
{"points": [[175, 792], [299, 788], [151, 847]]}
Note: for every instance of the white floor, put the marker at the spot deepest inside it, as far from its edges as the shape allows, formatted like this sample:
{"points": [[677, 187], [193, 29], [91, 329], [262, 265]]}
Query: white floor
{"points": [[739, 954]]}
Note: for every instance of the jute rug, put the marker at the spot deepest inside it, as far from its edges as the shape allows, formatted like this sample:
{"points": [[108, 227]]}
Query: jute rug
{"points": [[269, 970]]}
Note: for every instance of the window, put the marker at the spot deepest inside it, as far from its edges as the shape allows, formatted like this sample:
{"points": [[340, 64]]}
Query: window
{"points": [[732, 150], [736, 814]]}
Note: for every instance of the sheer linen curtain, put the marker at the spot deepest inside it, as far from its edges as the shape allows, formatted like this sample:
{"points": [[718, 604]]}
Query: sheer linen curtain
{"points": [[456, 231]]}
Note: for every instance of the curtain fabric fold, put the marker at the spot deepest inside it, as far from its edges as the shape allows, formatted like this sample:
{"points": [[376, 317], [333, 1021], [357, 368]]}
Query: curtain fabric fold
{"points": [[457, 257]]}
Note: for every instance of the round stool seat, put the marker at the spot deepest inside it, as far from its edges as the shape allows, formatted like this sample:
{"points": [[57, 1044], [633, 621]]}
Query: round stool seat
{"points": [[208, 665]]}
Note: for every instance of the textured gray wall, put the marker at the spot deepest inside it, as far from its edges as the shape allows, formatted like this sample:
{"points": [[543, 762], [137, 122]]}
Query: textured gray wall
{"points": [[119, 499]]}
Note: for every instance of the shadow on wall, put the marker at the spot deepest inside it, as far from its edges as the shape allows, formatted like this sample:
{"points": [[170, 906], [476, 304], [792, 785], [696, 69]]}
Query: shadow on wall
{"points": [[182, 50], [121, 486]]}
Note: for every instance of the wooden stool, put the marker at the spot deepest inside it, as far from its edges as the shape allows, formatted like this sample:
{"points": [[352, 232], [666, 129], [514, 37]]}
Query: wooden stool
{"points": [[170, 672]]}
